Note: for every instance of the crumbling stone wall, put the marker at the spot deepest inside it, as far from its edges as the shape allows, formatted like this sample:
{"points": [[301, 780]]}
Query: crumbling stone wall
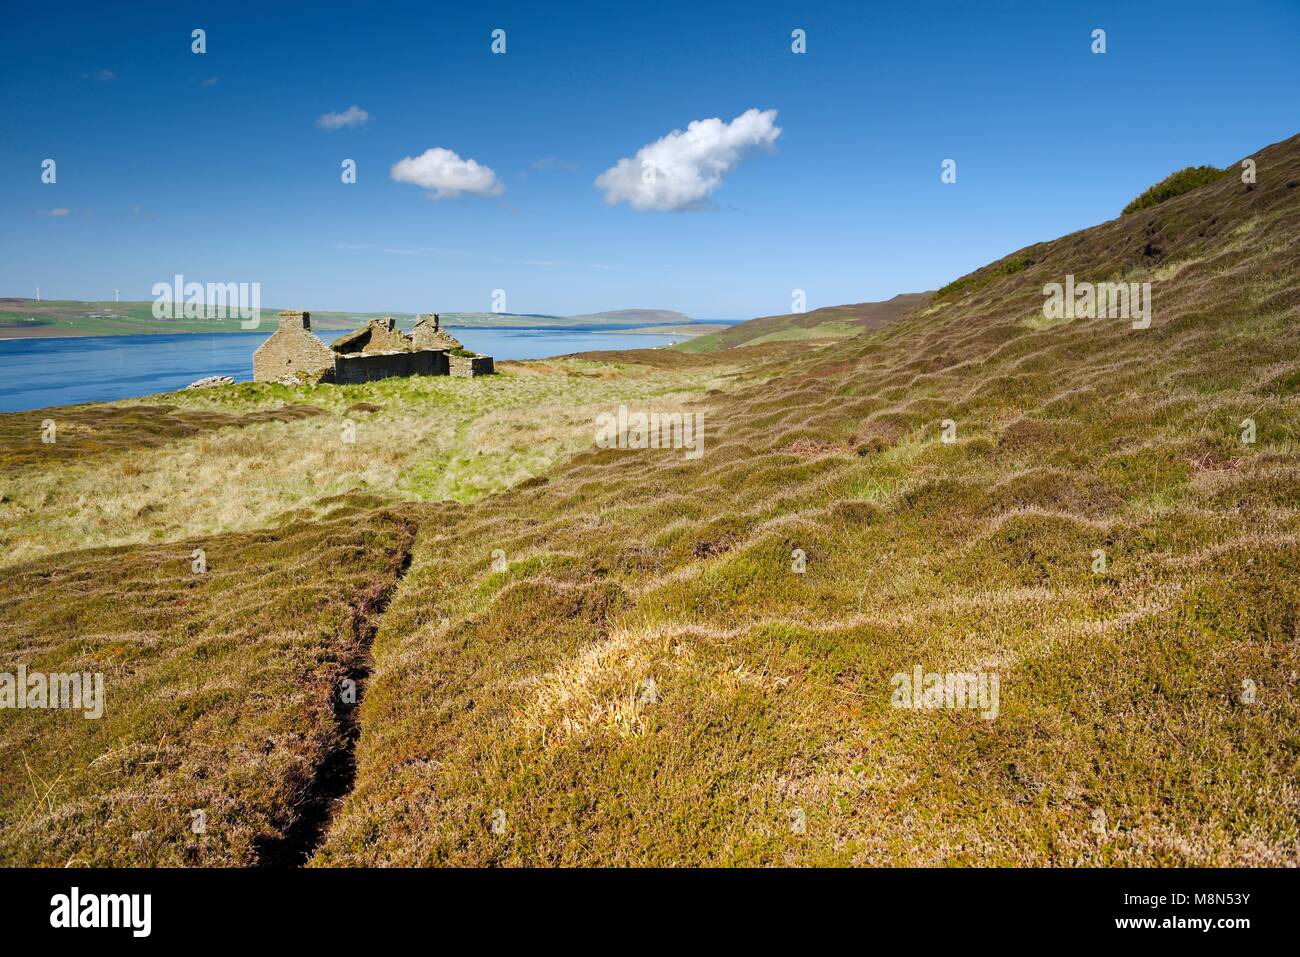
{"points": [[366, 367], [470, 366], [293, 350], [377, 335]]}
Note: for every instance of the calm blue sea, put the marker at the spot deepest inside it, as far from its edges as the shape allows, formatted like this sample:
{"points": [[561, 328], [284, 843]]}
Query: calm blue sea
{"points": [[35, 373]]}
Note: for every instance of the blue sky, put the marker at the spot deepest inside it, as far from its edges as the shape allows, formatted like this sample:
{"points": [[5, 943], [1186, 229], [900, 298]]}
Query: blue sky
{"points": [[214, 165]]}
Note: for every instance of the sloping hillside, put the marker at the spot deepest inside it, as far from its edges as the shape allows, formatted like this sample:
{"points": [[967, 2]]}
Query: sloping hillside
{"points": [[1124, 734], [620, 661], [831, 322]]}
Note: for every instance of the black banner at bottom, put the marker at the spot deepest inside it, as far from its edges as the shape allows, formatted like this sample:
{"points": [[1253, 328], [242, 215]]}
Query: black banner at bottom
{"points": [[142, 907]]}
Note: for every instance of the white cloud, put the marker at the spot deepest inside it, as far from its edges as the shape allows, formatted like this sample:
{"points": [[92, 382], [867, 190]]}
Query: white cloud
{"points": [[682, 168], [352, 116], [552, 162], [397, 250], [556, 264], [103, 76], [561, 264], [60, 211], [446, 175], [212, 81]]}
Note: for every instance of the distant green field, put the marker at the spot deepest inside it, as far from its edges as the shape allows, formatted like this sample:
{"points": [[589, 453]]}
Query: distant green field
{"points": [[27, 317]]}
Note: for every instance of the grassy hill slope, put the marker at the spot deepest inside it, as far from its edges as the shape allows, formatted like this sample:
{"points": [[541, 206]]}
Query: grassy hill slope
{"points": [[649, 680]]}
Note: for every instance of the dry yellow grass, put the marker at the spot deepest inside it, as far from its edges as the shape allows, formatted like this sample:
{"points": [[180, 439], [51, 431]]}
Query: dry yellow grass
{"points": [[440, 439]]}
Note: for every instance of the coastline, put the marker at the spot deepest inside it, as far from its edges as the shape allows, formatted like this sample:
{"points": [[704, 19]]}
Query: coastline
{"points": [[687, 330], [49, 371], [64, 319]]}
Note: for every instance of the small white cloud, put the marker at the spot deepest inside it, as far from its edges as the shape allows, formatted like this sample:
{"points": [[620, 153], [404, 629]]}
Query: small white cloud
{"points": [[562, 264], [58, 211], [551, 162], [103, 76], [212, 81], [352, 116], [446, 175], [396, 250], [681, 169]]}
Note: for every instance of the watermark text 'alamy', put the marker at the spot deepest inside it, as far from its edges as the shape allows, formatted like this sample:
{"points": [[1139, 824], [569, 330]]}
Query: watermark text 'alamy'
{"points": [[1103, 300], [651, 430], [215, 300]]}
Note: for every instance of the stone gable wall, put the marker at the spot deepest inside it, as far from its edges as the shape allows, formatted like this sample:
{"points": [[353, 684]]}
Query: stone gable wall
{"points": [[292, 349], [425, 336]]}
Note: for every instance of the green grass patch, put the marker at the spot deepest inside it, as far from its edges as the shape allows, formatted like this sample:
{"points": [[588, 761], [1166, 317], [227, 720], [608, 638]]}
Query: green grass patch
{"points": [[1175, 184]]}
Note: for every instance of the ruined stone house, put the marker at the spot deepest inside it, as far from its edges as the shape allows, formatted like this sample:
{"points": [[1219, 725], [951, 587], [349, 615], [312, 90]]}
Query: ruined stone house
{"points": [[375, 351]]}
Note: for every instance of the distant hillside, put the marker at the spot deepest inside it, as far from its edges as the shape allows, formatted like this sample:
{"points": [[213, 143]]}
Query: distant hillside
{"points": [[830, 322], [664, 317], [22, 318], [626, 317]]}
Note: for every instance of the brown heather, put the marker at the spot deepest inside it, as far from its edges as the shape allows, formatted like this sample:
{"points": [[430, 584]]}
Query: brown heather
{"points": [[522, 690]]}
